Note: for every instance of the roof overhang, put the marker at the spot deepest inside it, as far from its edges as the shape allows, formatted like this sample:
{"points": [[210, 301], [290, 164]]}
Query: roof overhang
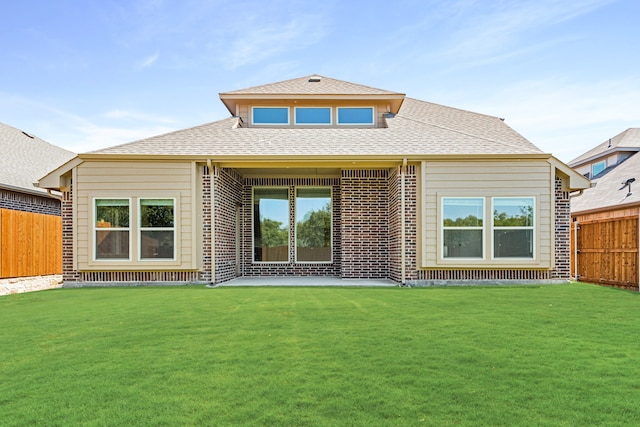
{"points": [[231, 100], [54, 179], [577, 181]]}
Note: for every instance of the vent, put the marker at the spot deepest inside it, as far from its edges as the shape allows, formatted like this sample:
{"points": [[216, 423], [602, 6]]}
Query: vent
{"points": [[27, 135], [315, 79]]}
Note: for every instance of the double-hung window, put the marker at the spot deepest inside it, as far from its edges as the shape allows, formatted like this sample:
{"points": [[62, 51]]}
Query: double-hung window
{"points": [[513, 227], [157, 232], [154, 227], [462, 227], [112, 229]]}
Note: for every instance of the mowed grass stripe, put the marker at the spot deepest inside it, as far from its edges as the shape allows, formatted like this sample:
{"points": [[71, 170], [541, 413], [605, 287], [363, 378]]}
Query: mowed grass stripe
{"points": [[548, 355]]}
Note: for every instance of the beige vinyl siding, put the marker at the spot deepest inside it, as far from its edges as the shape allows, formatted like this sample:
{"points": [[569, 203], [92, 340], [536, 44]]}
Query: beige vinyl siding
{"points": [[134, 180], [486, 179]]}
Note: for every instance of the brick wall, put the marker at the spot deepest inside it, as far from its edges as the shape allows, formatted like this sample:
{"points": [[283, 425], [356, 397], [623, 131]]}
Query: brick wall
{"points": [[410, 224], [29, 203], [364, 227], [562, 226], [228, 185]]}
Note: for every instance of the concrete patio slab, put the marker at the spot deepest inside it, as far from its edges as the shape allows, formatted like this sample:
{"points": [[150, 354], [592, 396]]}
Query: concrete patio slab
{"points": [[307, 281]]}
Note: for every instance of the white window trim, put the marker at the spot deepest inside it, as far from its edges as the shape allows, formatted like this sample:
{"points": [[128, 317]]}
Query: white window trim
{"points": [[141, 229], [253, 219], [271, 124], [295, 116], [373, 116], [532, 227], [295, 234], [443, 228], [95, 228]]}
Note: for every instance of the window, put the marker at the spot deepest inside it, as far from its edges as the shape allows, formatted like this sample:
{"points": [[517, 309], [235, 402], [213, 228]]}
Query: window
{"points": [[112, 229], [157, 231], [271, 224], [596, 168], [313, 116], [313, 225], [513, 226], [270, 115], [462, 227], [355, 115]]}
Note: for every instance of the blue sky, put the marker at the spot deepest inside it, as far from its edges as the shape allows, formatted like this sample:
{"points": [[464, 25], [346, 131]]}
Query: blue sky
{"points": [[87, 74]]}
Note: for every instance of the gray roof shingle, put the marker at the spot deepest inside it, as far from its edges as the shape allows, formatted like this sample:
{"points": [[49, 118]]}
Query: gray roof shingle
{"points": [[630, 138], [311, 85], [26, 158], [420, 128], [609, 191]]}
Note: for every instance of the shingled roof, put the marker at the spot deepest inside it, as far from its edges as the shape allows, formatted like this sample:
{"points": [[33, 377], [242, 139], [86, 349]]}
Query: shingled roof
{"points": [[420, 128], [629, 140], [320, 85], [610, 190], [26, 158]]}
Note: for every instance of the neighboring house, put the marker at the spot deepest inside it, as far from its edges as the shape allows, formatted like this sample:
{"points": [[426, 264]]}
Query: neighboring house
{"points": [[320, 177], [30, 219], [605, 217]]}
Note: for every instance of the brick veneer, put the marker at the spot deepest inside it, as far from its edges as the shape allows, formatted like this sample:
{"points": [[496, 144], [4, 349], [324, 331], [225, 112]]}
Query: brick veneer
{"points": [[365, 223], [29, 203], [228, 185], [562, 224]]}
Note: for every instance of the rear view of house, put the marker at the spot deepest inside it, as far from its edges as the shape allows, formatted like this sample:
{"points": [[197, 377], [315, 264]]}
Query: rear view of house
{"points": [[320, 177], [30, 219]]}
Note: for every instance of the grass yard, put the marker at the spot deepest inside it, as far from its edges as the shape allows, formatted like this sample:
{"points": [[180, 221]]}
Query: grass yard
{"points": [[564, 355]]}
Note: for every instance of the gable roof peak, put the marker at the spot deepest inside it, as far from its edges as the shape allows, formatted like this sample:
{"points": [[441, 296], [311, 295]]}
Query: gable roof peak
{"points": [[314, 86]]}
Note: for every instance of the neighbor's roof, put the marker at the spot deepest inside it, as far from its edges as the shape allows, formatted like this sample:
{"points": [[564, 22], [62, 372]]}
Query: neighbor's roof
{"points": [[26, 158], [609, 191], [629, 140], [420, 128]]}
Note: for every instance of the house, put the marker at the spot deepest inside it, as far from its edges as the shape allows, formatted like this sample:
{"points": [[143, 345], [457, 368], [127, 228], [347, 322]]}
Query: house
{"points": [[315, 176], [30, 219], [605, 218]]}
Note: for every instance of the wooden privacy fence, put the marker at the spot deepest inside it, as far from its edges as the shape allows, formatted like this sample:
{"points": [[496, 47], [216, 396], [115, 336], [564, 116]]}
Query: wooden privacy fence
{"points": [[606, 251], [30, 244]]}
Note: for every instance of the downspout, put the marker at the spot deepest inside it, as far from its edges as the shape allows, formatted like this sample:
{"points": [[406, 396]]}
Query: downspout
{"points": [[54, 196], [213, 223], [403, 267]]}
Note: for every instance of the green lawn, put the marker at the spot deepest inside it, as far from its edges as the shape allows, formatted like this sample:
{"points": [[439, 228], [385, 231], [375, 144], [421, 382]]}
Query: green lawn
{"points": [[565, 355]]}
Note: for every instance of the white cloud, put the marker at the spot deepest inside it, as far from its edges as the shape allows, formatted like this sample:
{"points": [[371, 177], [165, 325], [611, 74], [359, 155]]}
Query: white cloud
{"points": [[148, 61]]}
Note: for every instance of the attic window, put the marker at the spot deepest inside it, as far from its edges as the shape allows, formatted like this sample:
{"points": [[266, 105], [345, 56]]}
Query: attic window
{"points": [[313, 115], [355, 115], [270, 115], [315, 79]]}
